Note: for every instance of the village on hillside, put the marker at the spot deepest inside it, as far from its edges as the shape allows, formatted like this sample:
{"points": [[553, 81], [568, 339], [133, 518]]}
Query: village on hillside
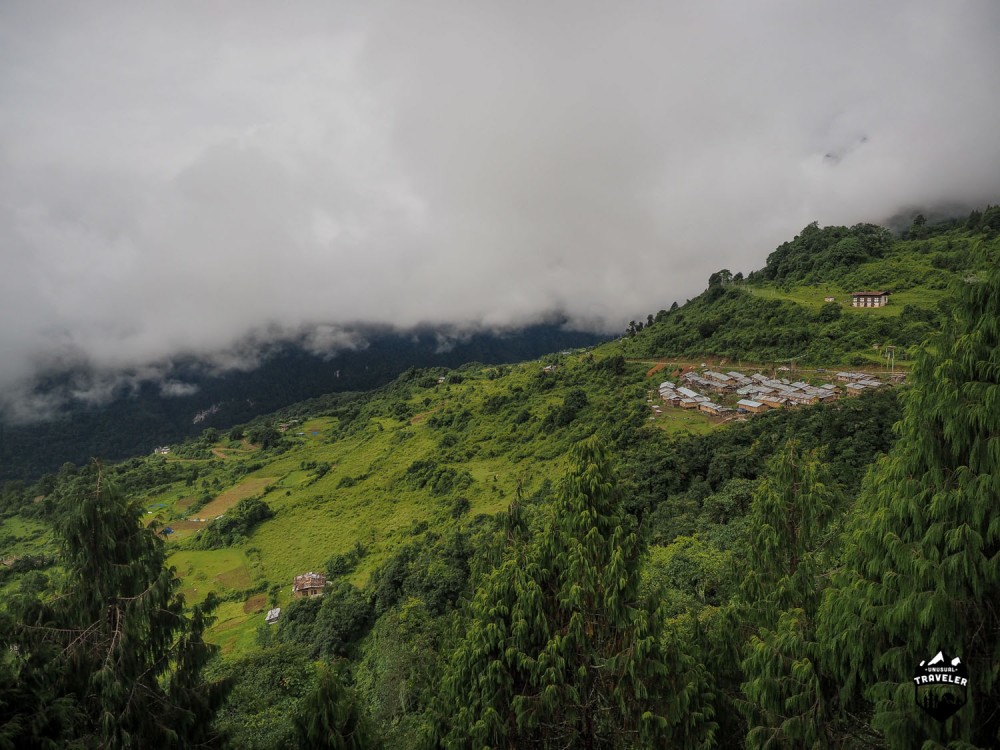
{"points": [[733, 394]]}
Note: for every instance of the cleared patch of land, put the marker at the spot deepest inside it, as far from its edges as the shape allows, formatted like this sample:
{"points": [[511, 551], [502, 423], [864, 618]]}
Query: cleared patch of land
{"points": [[655, 369], [229, 498], [202, 571], [183, 529], [686, 420], [255, 603], [237, 578]]}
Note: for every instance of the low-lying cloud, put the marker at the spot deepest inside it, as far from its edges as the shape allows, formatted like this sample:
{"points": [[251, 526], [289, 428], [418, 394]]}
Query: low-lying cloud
{"points": [[177, 180]]}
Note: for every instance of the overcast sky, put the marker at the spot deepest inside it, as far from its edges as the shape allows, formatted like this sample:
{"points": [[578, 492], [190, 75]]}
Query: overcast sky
{"points": [[185, 177]]}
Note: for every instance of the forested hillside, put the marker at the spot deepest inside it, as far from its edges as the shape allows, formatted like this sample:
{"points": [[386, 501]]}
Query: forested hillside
{"points": [[780, 312], [531, 555], [145, 415]]}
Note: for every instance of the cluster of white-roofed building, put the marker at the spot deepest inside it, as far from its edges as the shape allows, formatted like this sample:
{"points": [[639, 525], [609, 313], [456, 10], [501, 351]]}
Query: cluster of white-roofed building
{"points": [[755, 393]]}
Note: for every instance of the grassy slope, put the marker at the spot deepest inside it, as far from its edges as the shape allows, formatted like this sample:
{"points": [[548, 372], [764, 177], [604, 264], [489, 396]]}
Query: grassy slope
{"points": [[773, 320], [367, 495]]}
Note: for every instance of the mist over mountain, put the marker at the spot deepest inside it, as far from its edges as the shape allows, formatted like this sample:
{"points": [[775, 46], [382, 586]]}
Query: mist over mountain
{"points": [[129, 414], [176, 181]]}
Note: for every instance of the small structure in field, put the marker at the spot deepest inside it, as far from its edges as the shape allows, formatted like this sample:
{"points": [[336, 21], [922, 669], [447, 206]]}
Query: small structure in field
{"points": [[829, 299], [308, 584], [869, 299], [272, 616]]}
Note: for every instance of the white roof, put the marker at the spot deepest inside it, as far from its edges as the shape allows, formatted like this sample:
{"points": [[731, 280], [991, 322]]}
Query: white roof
{"points": [[748, 402], [687, 392]]}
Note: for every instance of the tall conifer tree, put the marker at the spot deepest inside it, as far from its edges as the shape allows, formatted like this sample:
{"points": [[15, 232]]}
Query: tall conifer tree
{"points": [[331, 717], [114, 647], [561, 650], [786, 701], [922, 562]]}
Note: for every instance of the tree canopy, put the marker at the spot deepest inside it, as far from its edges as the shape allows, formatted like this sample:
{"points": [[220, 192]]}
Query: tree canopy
{"points": [[113, 658]]}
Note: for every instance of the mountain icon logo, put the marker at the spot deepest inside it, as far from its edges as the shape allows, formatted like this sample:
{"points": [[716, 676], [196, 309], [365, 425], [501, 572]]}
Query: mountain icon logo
{"points": [[941, 685]]}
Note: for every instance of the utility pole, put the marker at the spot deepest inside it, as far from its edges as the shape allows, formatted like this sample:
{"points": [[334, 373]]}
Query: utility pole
{"points": [[890, 359]]}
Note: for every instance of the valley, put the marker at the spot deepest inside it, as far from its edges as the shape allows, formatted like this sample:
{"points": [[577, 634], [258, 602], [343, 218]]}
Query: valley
{"points": [[411, 497]]}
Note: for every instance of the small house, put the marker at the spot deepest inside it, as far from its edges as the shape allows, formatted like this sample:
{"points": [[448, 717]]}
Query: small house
{"points": [[272, 616], [802, 399], [869, 299], [308, 584], [754, 407], [775, 402], [829, 299]]}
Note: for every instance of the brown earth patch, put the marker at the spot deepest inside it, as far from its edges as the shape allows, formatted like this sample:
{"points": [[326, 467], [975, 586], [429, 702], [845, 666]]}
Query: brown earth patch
{"points": [[230, 497], [655, 369], [255, 603], [182, 529], [237, 578]]}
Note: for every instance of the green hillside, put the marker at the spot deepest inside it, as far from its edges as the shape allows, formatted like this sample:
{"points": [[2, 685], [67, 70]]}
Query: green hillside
{"points": [[436, 504], [780, 312]]}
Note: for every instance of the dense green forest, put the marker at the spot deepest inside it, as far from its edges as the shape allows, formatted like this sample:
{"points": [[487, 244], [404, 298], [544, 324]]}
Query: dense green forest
{"points": [[524, 556]]}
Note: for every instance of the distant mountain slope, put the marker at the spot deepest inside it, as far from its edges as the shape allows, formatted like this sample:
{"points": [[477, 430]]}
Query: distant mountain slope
{"points": [[135, 423]]}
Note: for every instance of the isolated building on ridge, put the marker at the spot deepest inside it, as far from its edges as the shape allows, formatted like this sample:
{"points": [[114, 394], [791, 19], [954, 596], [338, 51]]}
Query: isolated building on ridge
{"points": [[308, 584]]}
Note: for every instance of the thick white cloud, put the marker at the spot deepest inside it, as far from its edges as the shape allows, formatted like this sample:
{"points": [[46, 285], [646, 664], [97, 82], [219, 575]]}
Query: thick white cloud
{"points": [[184, 178]]}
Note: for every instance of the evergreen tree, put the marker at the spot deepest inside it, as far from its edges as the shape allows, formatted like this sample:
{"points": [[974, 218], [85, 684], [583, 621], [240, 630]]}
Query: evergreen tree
{"points": [[786, 701], [114, 649], [561, 650], [922, 563], [331, 718]]}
